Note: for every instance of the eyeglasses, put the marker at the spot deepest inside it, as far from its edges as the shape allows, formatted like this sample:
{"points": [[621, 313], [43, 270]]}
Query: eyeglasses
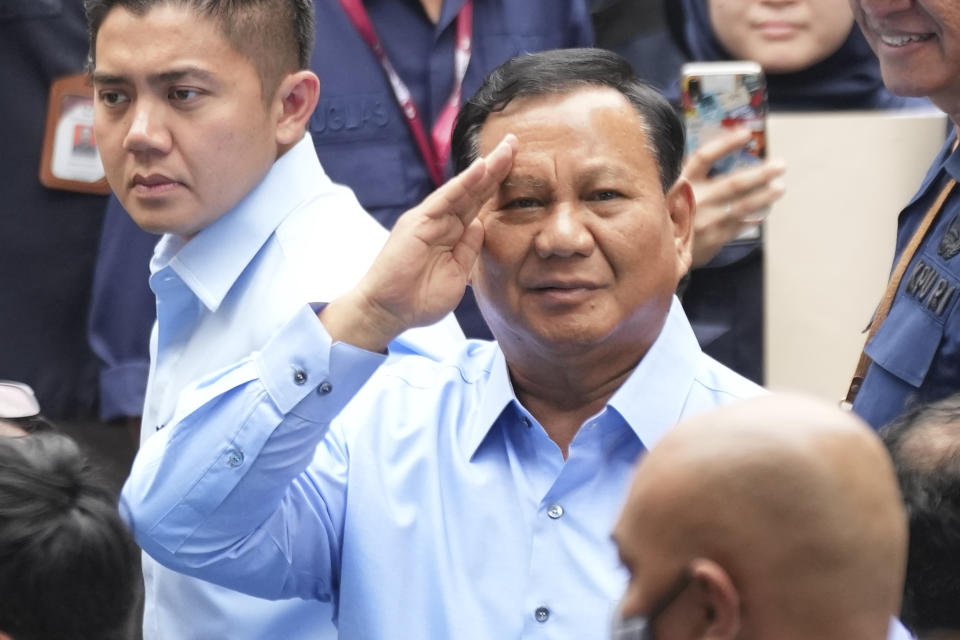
{"points": [[17, 400], [641, 627]]}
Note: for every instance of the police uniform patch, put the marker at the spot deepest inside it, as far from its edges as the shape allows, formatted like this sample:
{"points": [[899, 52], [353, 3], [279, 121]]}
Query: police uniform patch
{"points": [[950, 242], [929, 287]]}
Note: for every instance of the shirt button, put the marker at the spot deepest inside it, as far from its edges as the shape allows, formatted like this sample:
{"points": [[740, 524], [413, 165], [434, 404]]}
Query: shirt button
{"points": [[234, 458], [324, 388], [299, 376], [525, 421], [555, 511], [542, 614]]}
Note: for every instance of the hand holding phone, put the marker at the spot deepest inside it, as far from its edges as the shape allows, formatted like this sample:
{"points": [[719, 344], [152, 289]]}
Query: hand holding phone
{"points": [[728, 204]]}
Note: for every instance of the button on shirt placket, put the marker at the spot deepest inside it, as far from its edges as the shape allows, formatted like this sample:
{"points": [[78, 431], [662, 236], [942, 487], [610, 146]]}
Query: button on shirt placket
{"points": [[544, 538], [547, 536], [551, 531], [177, 315]]}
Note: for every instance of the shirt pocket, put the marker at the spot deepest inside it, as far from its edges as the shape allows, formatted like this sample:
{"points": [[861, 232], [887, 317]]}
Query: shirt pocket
{"points": [[18, 9], [907, 341]]}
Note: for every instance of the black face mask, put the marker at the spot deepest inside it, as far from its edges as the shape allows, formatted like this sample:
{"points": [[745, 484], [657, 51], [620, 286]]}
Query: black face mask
{"points": [[640, 627]]}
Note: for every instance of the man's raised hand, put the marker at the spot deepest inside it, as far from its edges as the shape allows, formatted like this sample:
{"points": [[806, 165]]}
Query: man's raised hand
{"points": [[423, 269]]}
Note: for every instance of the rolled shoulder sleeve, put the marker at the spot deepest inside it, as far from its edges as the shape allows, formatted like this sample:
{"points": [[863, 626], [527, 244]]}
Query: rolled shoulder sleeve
{"points": [[214, 494]]}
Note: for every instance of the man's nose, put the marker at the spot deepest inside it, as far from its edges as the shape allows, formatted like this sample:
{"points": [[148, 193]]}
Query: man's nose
{"points": [[565, 232], [147, 132]]}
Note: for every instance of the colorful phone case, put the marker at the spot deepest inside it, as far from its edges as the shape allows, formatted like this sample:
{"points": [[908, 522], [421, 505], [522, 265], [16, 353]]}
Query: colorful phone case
{"points": [[724, 95]]}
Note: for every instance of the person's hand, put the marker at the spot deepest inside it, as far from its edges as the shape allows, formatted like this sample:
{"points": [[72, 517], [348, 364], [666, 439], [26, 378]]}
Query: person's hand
{"points": [[728, 203], [423, 269]]}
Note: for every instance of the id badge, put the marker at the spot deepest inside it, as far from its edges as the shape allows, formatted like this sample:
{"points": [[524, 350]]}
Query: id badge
{"points": [[70, 160]]}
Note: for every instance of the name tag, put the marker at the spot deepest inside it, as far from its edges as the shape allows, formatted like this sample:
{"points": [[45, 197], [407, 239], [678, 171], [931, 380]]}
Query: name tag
{"points": [[70, 160]]}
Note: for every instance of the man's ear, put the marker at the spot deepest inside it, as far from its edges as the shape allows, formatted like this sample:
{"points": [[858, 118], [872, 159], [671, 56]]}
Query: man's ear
{"points": [[682, 206], [718, 600], [294, 101]]}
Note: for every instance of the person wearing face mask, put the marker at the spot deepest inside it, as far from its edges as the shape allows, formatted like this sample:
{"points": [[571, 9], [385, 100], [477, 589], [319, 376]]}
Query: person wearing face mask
{"points": [[815, 59], [810, 540]]}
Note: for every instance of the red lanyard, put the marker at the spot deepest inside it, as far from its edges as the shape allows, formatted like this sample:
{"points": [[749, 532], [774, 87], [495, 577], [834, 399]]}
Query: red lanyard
{"points": [[434, 155]]}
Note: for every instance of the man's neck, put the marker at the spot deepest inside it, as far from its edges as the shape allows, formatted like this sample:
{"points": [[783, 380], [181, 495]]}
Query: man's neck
{"points": [[432, 9], [563, 393]]}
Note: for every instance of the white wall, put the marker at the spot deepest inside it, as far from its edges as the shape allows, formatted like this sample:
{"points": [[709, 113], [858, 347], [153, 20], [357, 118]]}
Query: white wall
{"points": [[830, 240]]}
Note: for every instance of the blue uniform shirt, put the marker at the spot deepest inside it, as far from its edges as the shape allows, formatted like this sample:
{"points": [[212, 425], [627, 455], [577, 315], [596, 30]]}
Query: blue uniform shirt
{"points": [[916, 351], [49, 239]]}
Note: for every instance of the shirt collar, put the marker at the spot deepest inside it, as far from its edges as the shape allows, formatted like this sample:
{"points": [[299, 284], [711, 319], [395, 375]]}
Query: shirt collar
{"points": [[497, 395], [211, 262], [651, 400], [951, 157], [448, 14], [946, 161]]}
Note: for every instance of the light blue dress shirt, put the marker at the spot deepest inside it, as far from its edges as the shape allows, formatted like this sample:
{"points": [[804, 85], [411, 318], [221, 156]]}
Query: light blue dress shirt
{"points": [[435, 507], [898, 631], [296, 238]]}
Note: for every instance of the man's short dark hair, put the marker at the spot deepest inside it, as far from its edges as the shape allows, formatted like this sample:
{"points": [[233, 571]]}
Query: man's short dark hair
{"points": [[925, 446], [67, 563], [275, 35], [562, 71]]}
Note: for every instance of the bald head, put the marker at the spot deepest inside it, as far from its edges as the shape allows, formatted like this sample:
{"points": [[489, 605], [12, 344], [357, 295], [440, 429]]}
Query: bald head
{"points": [[794, 501]]}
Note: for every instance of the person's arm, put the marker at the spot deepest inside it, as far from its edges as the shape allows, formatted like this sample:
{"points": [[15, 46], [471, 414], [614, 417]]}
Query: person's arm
{"points": [[204, 491], [122, 311], [221, 493], [727, 203]]}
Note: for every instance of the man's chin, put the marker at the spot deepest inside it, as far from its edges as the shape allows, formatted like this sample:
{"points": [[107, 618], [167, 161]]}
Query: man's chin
{"points": [[904, 82], [149, 224], [906, 89], [152, 224]]}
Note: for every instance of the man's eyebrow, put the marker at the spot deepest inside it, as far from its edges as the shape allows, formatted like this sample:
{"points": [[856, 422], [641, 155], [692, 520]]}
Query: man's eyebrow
{"points": [[179, 74], [528, 181], [107, 78], [604, 171], [164, 77]]}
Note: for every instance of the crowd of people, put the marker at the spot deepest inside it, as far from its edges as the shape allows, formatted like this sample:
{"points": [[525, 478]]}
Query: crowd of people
{"points": [[444, 335]]}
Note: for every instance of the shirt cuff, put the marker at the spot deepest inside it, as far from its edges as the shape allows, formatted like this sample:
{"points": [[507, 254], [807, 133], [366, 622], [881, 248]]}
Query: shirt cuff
{"points": [[306, 374]]}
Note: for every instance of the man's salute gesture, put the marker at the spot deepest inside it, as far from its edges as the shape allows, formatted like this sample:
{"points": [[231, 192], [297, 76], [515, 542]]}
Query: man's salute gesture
{"points": [[423, 269]]}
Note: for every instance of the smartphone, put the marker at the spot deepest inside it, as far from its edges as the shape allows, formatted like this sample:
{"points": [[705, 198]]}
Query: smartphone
{"points": [[717, 96]]}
